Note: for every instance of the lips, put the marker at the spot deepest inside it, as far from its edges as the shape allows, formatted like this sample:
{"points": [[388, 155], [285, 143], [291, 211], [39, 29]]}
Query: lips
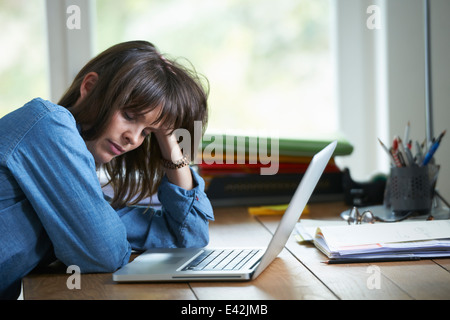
{"points": [[115, 148]]}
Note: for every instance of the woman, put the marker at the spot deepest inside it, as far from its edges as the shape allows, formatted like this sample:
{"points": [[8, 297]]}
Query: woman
{"points": [[119, 115]]}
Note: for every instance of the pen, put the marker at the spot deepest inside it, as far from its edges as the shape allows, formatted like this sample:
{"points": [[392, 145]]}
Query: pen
{"points": [[424, 145], [433, 149], [395, 145], [397, 161], [398, 158], [407, 158], [419, 155], [407, 133]]}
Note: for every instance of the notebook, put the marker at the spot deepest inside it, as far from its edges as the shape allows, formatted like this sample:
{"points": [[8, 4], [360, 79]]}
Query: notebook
{"points": [[203, 264], [411, 240]]}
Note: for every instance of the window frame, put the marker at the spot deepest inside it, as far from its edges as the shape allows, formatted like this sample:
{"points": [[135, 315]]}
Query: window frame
{"points": [[69, 49]]}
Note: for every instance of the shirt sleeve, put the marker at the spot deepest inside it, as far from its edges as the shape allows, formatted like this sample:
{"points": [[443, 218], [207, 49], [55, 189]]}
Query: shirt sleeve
{"points": [[57, 175], [183, 220]]}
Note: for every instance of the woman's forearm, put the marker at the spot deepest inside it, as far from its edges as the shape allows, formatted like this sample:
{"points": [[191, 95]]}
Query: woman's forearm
{"points": [[171, 151]]}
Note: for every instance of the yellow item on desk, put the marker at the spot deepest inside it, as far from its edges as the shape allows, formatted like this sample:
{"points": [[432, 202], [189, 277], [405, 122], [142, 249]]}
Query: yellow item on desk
{"points": [[272, 210]]}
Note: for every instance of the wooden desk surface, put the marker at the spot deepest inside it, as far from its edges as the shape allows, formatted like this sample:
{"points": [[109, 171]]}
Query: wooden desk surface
{"points": [[297, 273]]}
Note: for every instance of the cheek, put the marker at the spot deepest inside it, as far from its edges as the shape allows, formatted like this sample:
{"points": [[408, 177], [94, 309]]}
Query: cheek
{"points": [[116, 125]]}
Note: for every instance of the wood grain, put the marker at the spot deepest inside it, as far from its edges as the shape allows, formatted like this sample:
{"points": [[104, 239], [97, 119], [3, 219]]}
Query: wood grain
{"points": [[298, 272]]}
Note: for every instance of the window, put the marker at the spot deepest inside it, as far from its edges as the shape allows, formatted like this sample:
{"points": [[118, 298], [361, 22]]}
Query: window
{"points": [[23, 58], [268, 64]]}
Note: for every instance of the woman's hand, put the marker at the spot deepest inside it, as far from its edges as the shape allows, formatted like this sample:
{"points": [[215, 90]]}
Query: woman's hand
{"points": [[171, 151]]}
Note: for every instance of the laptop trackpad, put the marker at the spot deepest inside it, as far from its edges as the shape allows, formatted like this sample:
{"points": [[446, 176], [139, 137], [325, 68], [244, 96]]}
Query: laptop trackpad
{"points": [[161, 258]]}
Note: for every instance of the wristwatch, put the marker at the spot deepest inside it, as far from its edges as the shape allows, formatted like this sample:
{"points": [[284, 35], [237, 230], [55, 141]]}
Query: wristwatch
{"points": [[175, 165]]}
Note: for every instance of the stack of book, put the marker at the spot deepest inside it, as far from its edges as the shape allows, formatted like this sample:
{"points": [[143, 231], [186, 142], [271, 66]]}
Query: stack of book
{"points": [[412, 240], [244, 170]]}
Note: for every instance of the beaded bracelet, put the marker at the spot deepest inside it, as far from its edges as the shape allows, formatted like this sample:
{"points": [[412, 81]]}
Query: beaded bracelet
{"points": [[175, 165]]}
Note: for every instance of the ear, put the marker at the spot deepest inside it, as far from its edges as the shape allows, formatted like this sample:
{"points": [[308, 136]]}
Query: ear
{"points": [[88, 83]]}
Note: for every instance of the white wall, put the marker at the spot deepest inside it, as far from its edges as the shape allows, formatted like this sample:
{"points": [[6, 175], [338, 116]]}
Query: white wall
{"points": [[406, 74], [381, 80], [440, 39]]}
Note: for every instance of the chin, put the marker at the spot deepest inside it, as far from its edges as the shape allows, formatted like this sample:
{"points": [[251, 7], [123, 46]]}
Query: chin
{"points": [[99, 160]]}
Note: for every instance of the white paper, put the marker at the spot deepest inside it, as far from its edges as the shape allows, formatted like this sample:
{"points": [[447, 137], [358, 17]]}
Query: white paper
{"points": [[354, 235]]}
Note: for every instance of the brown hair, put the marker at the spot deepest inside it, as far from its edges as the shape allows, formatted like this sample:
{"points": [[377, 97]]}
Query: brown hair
{"points": [[134, 76]]}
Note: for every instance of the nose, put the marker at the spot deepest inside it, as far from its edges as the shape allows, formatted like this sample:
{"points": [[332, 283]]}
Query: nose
{"points": [[133, 137]]}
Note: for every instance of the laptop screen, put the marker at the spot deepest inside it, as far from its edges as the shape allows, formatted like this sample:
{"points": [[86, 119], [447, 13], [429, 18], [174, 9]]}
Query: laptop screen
{"points": [[296, 206]]}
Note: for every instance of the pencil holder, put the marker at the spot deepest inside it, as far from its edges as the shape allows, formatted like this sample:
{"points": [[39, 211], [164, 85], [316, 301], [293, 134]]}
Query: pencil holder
{"points": [[411, 188]]}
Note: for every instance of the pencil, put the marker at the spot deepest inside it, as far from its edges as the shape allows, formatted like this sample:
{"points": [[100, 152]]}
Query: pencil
{"points": [[388, 152], [397, 161]]}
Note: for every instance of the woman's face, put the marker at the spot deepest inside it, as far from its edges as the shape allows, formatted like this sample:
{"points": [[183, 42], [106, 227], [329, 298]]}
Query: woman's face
{"points": [[125, 132]]}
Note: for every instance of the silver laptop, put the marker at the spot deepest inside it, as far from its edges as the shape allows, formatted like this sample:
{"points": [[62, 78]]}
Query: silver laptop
{"points": [[202, 264]]}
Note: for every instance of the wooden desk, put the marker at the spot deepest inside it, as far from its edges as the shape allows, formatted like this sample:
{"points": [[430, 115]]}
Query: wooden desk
{"points": [[297, 273]]}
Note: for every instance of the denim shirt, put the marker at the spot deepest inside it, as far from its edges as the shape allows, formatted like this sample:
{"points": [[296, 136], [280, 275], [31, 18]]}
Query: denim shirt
{"points": [[51, 202]]}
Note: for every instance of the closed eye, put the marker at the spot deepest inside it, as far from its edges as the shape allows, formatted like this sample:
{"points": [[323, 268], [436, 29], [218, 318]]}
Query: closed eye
{"points": [[128, 116], [146, 133], [138, 119]]}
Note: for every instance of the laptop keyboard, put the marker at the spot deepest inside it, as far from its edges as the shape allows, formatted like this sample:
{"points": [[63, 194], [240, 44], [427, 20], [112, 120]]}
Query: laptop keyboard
{"points": [[221, 260]]}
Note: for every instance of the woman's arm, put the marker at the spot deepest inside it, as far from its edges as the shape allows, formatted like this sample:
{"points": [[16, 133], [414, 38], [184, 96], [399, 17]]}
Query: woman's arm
{"points": [[171, 151], [183, 220], [57, 175]]}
